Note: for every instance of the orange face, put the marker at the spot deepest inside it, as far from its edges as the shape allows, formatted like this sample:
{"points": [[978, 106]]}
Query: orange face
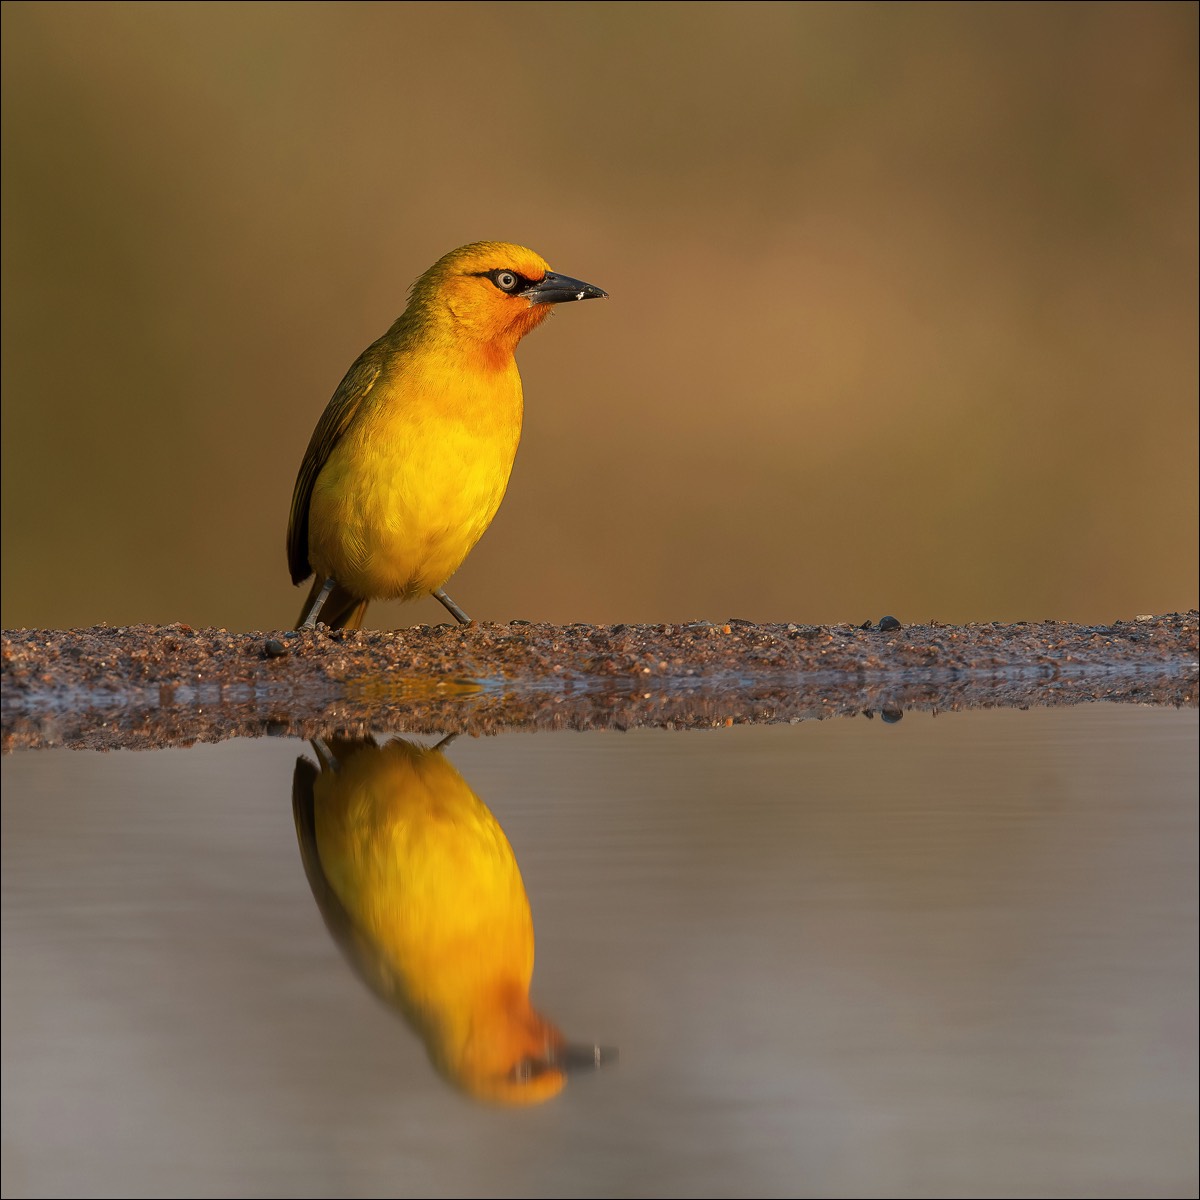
{"points": [[493, 292], [511, 1055]]}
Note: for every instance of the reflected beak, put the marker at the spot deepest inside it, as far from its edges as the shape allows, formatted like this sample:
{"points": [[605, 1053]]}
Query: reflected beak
{"points": [[570, 1059], [558, 289]]}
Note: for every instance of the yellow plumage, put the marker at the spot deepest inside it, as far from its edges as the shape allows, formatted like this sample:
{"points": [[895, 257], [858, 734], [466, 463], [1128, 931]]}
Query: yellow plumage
{"points": [[420, 887], [411, 458]]}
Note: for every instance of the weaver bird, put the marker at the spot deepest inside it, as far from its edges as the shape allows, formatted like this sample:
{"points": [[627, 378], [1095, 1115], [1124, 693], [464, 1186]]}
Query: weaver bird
{"points": [[411, 458], [420, 888]]}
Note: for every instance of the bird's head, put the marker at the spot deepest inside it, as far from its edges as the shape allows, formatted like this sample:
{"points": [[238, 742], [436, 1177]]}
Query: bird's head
{"points": [[494, 292], [512, 1055]]}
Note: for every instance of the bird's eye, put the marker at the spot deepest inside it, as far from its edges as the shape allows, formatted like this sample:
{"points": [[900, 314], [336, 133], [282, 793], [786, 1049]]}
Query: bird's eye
{"points": [[527, 1070], [506, 281]]}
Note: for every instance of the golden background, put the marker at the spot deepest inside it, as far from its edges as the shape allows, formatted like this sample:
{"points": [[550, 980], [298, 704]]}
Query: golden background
{"points": [[903, 311]]}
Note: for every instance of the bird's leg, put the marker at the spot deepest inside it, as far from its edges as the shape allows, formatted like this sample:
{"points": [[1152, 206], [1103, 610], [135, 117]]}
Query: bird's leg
{"points": [[452, 608], [325, 756], [310, 618]]}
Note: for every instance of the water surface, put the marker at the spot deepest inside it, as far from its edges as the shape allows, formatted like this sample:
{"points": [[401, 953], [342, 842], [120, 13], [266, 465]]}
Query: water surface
{"points": [[941, 957]]}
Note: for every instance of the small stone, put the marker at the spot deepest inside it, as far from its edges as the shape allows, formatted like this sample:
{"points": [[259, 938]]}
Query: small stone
{"points": [[887, 624], [274, 648]]}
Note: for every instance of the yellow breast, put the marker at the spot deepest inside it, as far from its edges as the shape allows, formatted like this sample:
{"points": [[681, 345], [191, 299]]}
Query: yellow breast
{"points": [[417, 479], [430, 880]]}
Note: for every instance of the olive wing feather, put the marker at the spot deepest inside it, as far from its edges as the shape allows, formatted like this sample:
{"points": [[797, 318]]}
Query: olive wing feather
{"points": [[339, 414]]}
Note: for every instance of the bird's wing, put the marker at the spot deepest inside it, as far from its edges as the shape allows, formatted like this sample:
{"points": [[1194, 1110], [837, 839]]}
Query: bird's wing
{"points": [[335, 420], [374, 968]]}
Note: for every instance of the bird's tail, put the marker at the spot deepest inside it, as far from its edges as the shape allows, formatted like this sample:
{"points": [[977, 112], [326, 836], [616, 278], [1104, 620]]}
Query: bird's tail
{"points": [[341, 609]]}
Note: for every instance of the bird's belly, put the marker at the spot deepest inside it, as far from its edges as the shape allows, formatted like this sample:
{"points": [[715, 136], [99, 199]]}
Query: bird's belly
{"points": [[395, 512]]}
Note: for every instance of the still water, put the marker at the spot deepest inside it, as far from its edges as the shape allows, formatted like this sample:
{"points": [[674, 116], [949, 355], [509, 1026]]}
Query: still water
{"points": [[950, 956]]}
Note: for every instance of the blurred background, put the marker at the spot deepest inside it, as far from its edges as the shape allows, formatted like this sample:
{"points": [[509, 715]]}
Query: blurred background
{"points": [[903, 311]]}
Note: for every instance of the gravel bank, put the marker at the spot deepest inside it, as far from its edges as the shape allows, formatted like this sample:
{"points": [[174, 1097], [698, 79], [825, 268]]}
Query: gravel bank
{"points": [[143, 686]]}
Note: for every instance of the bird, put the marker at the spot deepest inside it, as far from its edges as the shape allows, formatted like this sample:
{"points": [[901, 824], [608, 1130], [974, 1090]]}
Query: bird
{"points": [[411, 458], [421, 890]]}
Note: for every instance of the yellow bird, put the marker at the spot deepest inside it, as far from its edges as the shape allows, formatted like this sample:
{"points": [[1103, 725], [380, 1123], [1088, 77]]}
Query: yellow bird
{"points": [[411, 458], [420, 888]]}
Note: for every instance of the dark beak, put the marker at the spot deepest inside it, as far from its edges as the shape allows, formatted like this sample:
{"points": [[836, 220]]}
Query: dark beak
{"points": [[569, 1059], [558, 289]]}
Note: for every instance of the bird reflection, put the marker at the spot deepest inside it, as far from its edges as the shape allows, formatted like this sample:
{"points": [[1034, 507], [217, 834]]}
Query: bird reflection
{"points": [[420, 888]]}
